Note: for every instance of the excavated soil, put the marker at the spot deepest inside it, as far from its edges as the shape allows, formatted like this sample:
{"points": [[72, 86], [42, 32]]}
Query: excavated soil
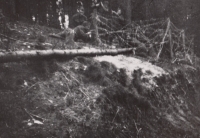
{"points": [[100, 97], [91, 97]]}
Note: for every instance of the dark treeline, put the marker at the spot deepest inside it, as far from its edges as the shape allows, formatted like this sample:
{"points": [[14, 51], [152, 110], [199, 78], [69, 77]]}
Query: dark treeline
{"points": [[185, 14], [26, 9]]}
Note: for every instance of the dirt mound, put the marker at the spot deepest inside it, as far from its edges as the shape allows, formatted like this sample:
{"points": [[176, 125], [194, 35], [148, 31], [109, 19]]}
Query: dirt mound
{"points": [[83, 97]]}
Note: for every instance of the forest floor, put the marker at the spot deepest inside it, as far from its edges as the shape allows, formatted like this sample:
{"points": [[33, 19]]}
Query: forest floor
{"points": [[96, 97]]}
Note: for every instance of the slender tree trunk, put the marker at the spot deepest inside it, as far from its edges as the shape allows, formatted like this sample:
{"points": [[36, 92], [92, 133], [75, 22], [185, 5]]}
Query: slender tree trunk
{"points": [[163, 40], [13, 4], [183, 37], [96, 38], [171, 44], [16, 8], [128, 11]]}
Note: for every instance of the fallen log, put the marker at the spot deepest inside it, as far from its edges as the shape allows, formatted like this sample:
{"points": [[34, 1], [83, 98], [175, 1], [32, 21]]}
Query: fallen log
{"points": [[46, 54]]}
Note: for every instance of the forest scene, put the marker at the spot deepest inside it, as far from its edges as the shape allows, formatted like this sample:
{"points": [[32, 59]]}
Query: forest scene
{"points": [[99, 69]]}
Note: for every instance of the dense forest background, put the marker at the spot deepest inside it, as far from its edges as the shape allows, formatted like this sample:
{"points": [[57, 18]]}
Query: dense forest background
{"points": [[185, 14]]}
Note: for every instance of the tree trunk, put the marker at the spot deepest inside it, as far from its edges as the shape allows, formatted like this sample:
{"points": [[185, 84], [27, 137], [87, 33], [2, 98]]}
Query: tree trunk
{"points": [[163, 40], [171, 45], [128, 11], [46, 54], [96, 38], [13, 8], [183, 37]]}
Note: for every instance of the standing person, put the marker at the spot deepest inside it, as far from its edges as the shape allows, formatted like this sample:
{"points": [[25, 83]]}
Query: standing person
{"points": [[79, 17]]}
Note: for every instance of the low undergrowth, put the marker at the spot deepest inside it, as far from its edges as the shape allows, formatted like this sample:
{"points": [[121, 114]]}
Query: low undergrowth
{"points": [[83, 97]]}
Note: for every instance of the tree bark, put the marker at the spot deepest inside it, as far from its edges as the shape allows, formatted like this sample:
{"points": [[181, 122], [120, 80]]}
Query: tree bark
{"points": [[96, 38], [128, 11], [171, 45], [47, 54]]}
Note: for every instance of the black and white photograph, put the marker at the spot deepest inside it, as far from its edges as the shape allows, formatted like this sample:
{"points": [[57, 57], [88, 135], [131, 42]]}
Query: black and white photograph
{"points": [[99, 68]]}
